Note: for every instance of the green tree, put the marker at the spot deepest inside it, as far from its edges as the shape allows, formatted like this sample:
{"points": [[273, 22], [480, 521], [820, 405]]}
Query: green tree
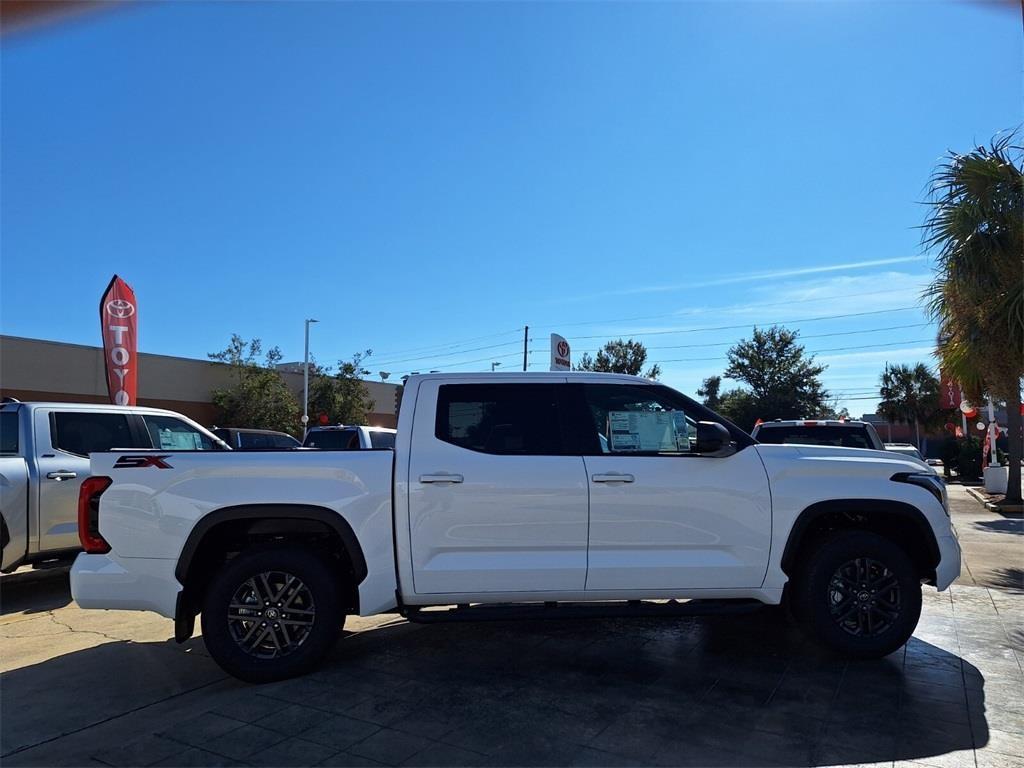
{"points": [[975, 227], [620, 356], [258, 398], [910, 394], [781, 379], [341, 396], [709, 392]]}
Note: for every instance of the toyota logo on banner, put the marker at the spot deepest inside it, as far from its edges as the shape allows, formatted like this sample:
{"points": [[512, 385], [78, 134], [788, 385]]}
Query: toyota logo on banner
{"points": [[120, 308]]}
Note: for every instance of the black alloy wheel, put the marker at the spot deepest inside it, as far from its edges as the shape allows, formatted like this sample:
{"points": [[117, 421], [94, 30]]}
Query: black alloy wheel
{"points": [[273, 613], [864, 597]]}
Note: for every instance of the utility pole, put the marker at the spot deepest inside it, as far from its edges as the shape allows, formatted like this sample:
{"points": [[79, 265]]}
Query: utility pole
{"points": [[305, 380], [526, 334], [993, 433]]}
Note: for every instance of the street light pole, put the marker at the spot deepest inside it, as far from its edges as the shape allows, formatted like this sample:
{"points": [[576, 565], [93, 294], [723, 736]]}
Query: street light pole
{"points": [[493, 366], [305, 379]]}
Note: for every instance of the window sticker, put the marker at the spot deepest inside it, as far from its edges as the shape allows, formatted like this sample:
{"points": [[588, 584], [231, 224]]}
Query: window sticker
{"points": [[682, 431], [647, 431], [179, 441]]}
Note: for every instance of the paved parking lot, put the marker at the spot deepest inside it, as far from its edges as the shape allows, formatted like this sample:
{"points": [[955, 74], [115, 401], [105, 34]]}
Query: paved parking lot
{"points": [[108, 688]]}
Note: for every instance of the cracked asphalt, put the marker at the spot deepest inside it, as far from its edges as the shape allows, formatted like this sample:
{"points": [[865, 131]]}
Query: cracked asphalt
{"points": [[110, 687]]}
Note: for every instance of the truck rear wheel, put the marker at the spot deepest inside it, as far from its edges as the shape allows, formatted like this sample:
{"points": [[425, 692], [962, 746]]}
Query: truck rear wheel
{"points": [[272, 614], [858, 594]]}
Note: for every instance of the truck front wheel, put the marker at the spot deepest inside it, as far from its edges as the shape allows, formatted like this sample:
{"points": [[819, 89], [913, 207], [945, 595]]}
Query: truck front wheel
{"points": [[858, 594], [271, 614]]}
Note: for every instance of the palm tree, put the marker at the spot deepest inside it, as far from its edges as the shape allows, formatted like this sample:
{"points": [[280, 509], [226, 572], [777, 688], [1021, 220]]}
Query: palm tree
{"points": [[976, 228], [909, 394]]}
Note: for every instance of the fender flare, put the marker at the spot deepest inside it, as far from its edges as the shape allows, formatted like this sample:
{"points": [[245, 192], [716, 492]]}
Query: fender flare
{"points": [[886, 507], [328, 517]]}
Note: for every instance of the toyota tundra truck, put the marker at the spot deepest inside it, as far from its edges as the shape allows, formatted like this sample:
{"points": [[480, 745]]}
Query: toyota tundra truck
{"points": [[509, 496]]}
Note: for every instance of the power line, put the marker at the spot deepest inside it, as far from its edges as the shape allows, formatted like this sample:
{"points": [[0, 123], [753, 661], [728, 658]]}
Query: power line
{"points": [[448, 345], [478, 360], [449, 354]]}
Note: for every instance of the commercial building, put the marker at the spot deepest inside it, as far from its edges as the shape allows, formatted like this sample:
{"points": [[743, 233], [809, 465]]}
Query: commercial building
{"points": [[34, 369]]}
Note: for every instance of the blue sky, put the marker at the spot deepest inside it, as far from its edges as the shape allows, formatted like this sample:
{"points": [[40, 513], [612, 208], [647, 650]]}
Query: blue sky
{"points": [[426, 179]]}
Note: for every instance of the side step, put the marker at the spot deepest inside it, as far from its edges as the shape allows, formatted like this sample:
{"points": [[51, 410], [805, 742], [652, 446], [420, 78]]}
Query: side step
{"points": [[566, 610]]}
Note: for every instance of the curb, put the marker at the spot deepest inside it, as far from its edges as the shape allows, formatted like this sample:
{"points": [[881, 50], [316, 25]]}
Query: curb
{"points": [[976, 494], [1000, 509]]}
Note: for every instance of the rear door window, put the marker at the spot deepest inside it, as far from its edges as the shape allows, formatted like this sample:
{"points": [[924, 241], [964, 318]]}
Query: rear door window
{"points": [[504, 419], [83, 433]]}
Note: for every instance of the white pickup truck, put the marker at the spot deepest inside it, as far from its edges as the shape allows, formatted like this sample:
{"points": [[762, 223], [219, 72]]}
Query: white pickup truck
{"points": [[514, 495]]}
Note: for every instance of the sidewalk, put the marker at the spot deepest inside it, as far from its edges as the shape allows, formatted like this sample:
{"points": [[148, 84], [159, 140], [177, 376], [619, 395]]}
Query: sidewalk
{"points": [[993, 545]]}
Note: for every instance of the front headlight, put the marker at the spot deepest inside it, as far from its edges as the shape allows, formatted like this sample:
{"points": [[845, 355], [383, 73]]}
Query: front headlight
{"points": [[927, 480]]}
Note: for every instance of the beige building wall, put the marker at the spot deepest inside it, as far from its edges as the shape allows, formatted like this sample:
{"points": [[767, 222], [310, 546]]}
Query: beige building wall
{"points": [[35, 369]]}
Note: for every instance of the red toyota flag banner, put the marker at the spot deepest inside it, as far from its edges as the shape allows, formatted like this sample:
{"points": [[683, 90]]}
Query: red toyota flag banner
{"points": [[119, 320], [949, 392]]}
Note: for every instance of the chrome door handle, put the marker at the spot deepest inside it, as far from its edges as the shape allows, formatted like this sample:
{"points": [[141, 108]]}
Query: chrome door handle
{"points": [[613, 477], [441, 478], [61, 474]]}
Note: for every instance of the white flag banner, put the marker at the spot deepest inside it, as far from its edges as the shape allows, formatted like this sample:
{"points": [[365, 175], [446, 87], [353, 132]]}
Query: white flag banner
{"points": [[560, 360]]}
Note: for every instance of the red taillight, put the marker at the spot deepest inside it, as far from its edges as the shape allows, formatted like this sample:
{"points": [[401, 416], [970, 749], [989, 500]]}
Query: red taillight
{"points": [[89, 515]]}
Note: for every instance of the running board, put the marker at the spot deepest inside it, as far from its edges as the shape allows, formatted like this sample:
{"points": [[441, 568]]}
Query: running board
{"points": [[568, 610]]}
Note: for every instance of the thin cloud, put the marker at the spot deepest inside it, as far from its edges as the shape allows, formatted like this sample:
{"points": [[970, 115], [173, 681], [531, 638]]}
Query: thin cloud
{"points": [[748, 277]]}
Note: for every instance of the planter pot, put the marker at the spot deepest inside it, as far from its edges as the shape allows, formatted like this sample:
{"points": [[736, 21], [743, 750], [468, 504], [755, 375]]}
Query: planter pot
{"points": [[996, 479]]}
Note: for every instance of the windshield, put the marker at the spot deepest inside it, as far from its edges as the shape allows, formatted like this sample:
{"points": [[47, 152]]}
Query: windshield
{"points": [[841, 437]]}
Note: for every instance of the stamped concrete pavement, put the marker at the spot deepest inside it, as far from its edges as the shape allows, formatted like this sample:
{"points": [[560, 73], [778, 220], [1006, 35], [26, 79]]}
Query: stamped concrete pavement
{"points": [[108, 688]]}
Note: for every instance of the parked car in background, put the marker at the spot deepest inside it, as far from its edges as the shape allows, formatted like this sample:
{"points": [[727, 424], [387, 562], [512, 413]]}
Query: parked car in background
{"points": [[907, 449], [44, 457], [502, 500], [350, 438], [256, 439], [842, 434]]}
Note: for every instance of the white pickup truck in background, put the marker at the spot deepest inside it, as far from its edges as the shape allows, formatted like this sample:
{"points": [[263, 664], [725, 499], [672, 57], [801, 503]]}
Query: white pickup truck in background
{"points": [[44, 457], [509, 495]]}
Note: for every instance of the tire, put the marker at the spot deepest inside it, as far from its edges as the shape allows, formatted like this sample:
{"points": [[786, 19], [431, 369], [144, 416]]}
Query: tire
{"points": [[271, 614], [859, 594]]}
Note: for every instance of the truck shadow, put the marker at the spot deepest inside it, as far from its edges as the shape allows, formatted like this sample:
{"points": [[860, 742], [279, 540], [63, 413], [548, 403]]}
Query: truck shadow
{"points": [[714, 691], [28, 591]]}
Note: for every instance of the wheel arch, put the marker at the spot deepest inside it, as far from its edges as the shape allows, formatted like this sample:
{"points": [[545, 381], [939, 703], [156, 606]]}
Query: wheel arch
{"points": [[902, 522], [207, 540]]}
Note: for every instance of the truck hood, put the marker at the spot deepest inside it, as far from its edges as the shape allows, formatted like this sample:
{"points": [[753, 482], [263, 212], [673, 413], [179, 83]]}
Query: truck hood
{"points": [[828, 460]]}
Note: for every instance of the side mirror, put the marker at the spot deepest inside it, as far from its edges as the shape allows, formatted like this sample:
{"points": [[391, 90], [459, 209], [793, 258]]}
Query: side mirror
{"points": [[713, 440]]}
